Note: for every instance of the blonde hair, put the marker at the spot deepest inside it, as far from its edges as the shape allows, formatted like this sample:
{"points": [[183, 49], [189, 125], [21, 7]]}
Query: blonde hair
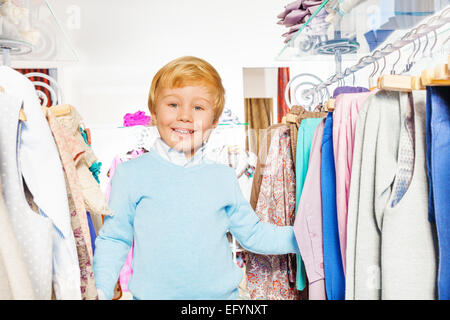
{"points": [[186, 71]]}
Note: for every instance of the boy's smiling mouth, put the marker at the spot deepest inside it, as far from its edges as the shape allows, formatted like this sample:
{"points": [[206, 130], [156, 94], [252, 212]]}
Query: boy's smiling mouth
{"points": [[183, 132]]}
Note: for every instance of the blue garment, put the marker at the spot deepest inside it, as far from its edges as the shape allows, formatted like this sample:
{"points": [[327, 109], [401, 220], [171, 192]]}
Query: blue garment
{"points": [[179, 217], [304, 140], [377, 37], [438, 169], [334, 271], [91, 230]]}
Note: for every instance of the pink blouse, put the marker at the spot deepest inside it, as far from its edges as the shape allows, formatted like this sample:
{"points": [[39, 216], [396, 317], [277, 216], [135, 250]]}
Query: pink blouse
{"points": [[308, 222], [346, 111]]}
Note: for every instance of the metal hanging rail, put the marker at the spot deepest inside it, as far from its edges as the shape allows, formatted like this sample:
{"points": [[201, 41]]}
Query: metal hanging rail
{"points": [[9, 47], [423, 29]]}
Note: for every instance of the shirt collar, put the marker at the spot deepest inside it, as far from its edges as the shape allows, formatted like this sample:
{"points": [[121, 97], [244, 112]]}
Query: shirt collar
{"points": [[178, 157]]}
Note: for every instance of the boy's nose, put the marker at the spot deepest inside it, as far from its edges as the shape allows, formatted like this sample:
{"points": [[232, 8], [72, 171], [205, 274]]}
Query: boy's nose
{"points": [[184, 114]]}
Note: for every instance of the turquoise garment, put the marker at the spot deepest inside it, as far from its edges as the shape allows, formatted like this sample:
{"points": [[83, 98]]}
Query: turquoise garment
{"points": [[95, 170], [96, 166], [179, 217], [84, 135], [304, 141]]}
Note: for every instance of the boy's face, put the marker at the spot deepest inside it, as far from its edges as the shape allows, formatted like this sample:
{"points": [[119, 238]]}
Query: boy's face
{"points": [[185, 117]]}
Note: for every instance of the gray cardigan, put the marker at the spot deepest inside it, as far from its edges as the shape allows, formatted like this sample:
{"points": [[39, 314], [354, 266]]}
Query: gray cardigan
{"points": [[391, 251]]}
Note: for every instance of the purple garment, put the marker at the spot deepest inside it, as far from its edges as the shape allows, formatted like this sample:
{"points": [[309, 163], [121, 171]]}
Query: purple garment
{"points": [[91, 231], [136, 119], [294, 17], [289, 7], [348, 89], [298, 12]]}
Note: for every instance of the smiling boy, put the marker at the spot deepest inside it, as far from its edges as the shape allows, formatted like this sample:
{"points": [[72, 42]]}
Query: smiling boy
{"points": [[178, 205]]}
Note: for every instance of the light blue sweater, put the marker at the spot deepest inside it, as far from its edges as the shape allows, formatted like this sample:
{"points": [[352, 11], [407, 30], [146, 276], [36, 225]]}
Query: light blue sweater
{"points": [[179, 218]]}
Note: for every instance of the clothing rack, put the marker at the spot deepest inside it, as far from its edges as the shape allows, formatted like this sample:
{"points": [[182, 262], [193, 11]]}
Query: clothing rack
{"points": [[10, 47], [55, 90], [431, 25]]}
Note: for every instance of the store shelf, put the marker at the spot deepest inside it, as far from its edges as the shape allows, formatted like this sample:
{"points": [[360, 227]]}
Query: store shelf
{"points": [[362, 30], [33, 33]]}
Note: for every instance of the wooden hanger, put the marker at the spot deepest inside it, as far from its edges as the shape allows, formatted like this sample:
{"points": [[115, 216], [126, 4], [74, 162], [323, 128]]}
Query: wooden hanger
{"points": [[61, 110], [416, 83], [438, 76], [22, 115], [289, 118], [395, 82], [329, 104]]}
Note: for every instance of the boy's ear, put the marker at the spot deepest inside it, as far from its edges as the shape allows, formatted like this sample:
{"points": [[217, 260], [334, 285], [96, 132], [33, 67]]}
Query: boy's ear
{"points": [[153, 117]]}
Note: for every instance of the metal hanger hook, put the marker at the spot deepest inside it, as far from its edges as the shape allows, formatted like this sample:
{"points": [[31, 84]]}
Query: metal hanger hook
{"points": [[384, 65], [434, 44], [408, 62], [426, 46], [375, 67], [395, 63]]}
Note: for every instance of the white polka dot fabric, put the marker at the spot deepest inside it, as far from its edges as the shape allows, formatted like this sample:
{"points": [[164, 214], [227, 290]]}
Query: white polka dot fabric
{"points": [[34, 151], [34, 232]]}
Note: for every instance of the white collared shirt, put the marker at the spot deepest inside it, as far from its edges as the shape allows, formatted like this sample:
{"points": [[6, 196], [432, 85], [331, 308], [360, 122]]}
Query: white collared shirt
{"points": [[178, 157]]}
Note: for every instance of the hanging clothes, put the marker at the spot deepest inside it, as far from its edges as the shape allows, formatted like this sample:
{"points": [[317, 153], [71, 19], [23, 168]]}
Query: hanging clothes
{"points": [[94, 198], [259, 116], [333, 269], [345, 115], [70, 151], [348, 89], [308, 222], [393, 251], [303, 148], [34, 232], [301, 114], [15, 283], [40, 166], [273, 276], [261, 164], [244, 163], [283, 80], [438, 154]]}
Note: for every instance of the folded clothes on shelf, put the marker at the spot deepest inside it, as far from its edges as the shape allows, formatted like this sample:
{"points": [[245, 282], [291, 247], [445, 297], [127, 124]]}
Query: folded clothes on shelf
{"points": [[297, 13]]}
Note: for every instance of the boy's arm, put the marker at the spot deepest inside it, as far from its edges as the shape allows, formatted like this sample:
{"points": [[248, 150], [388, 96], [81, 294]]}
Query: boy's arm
{"points": [[115, 237], [257, 236]]}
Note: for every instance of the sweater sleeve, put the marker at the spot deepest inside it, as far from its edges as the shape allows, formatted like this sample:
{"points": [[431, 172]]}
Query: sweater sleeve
{"points": [[116, 236], [257, 236]]}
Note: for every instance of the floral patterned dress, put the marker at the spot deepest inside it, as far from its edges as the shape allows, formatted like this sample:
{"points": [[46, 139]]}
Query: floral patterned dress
{"points": [[71, 151], [272, 277]]}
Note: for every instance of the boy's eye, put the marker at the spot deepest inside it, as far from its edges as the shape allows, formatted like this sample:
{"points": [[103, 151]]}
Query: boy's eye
{"points": [[173, 105], [198, 108]]}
